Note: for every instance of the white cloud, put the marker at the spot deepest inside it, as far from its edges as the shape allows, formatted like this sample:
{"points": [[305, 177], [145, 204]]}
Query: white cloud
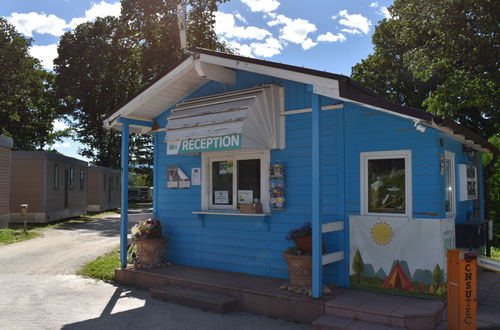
{"points": [[269, 48], [61, 145], [225, 26], [101, 9], [330, 37], [308, 43], [384, 11], [265, 6], [41, 23], [374, 4], [59, 125], [295, 30], [355, 23], [240, 17], [27, 23], [46, 54]]}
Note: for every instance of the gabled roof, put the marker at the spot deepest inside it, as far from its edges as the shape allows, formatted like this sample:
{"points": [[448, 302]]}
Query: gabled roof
{"points": [[203, 65]]}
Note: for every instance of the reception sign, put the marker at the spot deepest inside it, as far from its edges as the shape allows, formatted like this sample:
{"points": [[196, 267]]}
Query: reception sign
{"points": [[212, 143], [400, 254]]}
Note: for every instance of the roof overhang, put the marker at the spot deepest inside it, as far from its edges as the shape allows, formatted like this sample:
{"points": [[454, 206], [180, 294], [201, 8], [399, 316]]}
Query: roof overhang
{"points": [[205, 65]]}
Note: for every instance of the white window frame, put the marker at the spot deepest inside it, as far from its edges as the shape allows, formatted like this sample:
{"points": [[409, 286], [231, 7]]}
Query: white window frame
{"points": [[207, 158], [388, 154], [451, 156]]}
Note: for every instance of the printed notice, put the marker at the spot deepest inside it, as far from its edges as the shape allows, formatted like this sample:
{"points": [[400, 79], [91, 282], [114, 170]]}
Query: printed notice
{"points": [[196, 176], [221, 197]]}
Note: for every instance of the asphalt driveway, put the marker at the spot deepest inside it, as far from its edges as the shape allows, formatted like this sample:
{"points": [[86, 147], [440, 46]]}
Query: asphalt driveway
{"points": [[38, 289]]}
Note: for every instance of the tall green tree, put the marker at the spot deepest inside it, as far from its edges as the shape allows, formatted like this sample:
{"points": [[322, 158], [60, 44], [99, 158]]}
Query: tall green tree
{"points": [[28, 106], [96, 74], [103, 64], [442, 56]]}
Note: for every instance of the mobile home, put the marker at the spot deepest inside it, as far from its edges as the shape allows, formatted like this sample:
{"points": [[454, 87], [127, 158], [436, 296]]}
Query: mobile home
{"points": [[53, 185], [104, 189], [5, 147]]}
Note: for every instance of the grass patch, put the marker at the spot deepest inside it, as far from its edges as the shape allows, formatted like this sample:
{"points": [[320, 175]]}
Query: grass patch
{"points": [[102, 268], [15, 232], [8, 235], [495, 253]]}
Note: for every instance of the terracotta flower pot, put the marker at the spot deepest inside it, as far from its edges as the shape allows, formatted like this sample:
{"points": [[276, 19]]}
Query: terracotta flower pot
{"points": [[150, 251], [304, 244], [299, 269]]}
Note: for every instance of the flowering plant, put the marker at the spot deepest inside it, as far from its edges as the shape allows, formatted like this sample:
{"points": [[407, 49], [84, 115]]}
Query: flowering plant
{"points": [[147, 229], [303, 231]]}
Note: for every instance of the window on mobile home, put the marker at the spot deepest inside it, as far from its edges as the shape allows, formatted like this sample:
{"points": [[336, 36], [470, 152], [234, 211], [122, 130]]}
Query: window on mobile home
{"points": [[386, 183], [232, 179], [56, 176], [71, 178], [82, 179]]}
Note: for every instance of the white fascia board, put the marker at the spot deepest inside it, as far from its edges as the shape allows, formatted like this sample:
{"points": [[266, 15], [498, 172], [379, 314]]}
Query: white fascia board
{"points": [[322, 86], [215, 72], [137, 101], [459, 138]]}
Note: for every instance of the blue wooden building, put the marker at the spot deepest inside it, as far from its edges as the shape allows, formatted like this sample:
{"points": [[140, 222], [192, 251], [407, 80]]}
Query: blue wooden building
{"points": [[371, 176]]}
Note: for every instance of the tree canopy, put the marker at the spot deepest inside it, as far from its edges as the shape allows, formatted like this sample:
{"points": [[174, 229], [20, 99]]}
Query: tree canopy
{"points": [[102, 64], [28, 106], [442, 56]]}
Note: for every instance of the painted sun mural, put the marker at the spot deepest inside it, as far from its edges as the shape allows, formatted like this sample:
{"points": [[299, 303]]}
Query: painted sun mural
{"points": [[381, 233]]}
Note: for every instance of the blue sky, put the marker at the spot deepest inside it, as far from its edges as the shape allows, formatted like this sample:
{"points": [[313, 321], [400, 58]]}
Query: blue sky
{"points": [[328, 35]]}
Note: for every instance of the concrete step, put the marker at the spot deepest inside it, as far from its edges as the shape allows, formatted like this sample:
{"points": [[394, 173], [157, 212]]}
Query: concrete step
{"points": [[212, 302], [396, 311], [330, 322]]}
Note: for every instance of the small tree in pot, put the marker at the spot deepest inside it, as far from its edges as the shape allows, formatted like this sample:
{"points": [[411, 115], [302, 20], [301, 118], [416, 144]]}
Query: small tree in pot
{"points": [[150, 244]]}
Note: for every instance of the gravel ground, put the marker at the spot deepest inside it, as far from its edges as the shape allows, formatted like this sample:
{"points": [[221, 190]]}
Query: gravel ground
{"points": [[38, 289]]}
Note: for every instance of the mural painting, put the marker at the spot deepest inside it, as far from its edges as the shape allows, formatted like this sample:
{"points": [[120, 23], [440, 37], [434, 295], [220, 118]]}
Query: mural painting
{"points": [[387, 256]]}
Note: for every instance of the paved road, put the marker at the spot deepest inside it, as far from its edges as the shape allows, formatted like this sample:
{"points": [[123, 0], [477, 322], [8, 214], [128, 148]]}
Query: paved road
{"points": [[38, 289]]}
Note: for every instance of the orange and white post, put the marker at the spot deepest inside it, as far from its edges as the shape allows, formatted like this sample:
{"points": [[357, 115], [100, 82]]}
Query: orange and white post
{"points": [[462, 289]]}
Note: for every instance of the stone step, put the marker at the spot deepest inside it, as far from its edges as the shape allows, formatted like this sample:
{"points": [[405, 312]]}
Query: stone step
{"points": [[396, 311], [212, 302], [330, 322]]}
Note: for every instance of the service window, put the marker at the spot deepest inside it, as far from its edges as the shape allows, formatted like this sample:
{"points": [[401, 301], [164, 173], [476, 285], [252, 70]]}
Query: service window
{"points": [[233, 178], [386, 183]]}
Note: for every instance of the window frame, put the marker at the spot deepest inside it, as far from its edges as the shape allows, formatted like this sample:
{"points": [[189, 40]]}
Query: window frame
{"points": [[207, 158], [451, 156], [82, 179], [56, 177], [71, 178], [387, 154]]}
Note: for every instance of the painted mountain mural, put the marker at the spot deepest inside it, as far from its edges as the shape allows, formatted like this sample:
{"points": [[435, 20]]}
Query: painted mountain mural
{"points": [[398, 280]]}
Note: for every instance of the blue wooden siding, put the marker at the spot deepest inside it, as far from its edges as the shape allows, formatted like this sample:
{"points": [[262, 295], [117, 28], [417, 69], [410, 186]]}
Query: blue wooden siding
{"points": [[254, 244]]}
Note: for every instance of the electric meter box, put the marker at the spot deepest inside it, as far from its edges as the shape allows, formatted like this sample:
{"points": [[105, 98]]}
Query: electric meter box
{"points": [[468, 182]]}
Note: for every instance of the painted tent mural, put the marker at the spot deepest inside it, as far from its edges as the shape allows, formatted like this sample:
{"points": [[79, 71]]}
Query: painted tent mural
{"points": [[400, 255]]}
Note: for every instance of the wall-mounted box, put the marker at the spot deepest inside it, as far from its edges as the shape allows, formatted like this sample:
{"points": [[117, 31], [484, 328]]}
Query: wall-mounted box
{"points": [[468, 182]]}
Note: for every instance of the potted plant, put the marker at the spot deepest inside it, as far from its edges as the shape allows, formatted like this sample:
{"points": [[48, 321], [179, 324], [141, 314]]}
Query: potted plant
{"points": [[298, 257], [150, 244]]}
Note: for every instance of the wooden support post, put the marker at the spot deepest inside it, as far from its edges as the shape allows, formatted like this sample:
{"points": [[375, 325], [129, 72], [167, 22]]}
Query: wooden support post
{"points": [[317, 276], [124, 197]]}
